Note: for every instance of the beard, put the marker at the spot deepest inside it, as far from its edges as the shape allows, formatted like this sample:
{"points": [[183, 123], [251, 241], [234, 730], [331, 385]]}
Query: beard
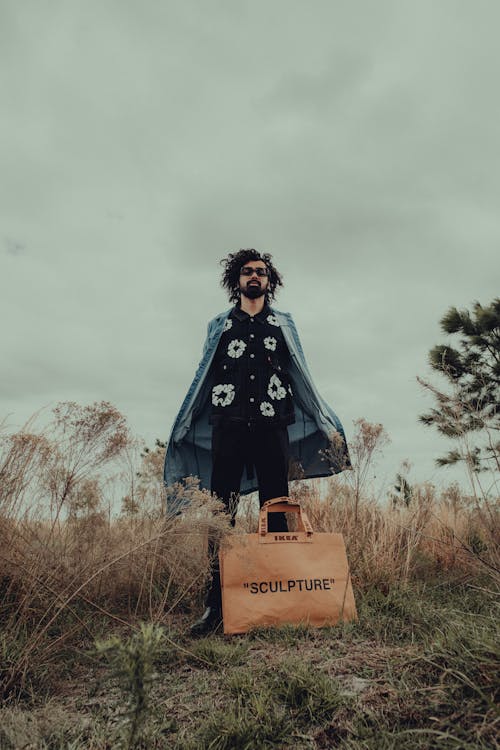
{"points": [[252, 291]]}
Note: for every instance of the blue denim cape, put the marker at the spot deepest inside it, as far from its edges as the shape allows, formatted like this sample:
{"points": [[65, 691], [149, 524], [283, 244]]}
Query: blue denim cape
{"points": [[190, 442]]}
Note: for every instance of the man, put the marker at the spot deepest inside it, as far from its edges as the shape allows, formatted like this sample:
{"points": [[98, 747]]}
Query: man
{"points": [[252, 410]]}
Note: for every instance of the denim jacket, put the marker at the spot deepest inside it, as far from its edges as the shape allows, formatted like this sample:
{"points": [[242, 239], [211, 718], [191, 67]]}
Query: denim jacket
{"points": [[189, 445]]}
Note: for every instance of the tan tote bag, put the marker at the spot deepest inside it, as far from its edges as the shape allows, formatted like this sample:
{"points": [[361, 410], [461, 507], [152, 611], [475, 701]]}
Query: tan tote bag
{"points": [[272, 578]]}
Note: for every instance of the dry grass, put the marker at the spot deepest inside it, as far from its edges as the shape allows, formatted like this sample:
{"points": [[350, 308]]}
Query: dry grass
{"points": [[394, 544], [67, 567], [57, 586], [70, 570]]}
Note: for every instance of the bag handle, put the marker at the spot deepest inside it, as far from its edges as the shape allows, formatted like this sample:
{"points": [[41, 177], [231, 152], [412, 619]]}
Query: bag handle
{"points": [[284, 505]]}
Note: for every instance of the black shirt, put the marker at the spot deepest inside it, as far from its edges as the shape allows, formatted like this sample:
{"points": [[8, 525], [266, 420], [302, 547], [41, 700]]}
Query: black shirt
{"points": [[250, 371]]}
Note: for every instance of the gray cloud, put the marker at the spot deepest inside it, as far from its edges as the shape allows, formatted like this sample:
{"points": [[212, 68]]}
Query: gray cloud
{"points": [[358, 143], [13, 246]]}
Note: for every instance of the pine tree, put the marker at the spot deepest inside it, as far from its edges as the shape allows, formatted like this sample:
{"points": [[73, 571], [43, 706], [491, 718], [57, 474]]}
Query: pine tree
{"points": [[469, 411]]}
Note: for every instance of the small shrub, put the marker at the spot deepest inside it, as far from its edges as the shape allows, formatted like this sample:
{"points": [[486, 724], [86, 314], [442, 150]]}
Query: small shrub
{"points": [[132, 662]]}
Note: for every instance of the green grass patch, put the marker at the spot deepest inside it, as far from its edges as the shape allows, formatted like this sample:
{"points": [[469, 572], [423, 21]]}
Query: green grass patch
{"points": [[215, 654], [417, 613], [311, 696], [272, 707], [286, 635]]}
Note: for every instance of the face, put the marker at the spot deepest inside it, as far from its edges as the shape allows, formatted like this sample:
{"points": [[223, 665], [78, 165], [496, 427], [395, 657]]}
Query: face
{"points": [[254, 286]]}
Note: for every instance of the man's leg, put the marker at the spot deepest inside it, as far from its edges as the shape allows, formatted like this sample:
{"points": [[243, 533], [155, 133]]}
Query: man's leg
{"points": [[229, 447], [270, 450]]}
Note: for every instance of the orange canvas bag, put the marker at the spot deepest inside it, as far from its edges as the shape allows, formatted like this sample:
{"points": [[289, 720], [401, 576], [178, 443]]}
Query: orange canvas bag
{"points": [[271, 578]]}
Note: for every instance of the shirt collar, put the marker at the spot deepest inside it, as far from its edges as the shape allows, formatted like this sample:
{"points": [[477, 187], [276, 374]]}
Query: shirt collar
{"points": [[241, 315]]}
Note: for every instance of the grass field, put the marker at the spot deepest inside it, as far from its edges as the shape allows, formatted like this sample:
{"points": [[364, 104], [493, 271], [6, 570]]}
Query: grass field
{"points": [[95, 609], [419, 670]]}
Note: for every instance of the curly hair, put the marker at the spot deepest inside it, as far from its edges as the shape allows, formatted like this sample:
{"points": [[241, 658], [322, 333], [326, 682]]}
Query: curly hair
{"points": [[231, 274]]}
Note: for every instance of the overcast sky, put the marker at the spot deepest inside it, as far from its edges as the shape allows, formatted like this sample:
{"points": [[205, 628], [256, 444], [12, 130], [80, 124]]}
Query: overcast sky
{"points": [[358, 142]]}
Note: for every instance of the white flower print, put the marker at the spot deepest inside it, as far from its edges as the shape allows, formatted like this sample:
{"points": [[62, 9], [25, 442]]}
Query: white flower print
{"points": [[267, 409], [272, 320], [235, 348], [270, 343], [275, 389], [227, 325], [223, 394]]}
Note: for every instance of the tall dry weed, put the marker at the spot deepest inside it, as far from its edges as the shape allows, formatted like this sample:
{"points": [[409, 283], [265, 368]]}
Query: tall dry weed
{"points": [[68, 566], [437, 532], [93, 572], [417, 531]]}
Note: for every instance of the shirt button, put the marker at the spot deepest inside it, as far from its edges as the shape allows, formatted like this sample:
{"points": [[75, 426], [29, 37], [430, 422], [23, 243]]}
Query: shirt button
{"points": [[252, 320], [252, 356], [252, 335], [252, 377], [252, 399]]}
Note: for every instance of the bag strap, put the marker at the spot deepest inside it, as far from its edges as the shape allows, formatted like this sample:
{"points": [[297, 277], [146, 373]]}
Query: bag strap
{"points": [[284, 505]]}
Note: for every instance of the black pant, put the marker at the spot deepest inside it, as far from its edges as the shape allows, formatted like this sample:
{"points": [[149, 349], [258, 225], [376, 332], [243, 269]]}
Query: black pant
{"points": [[236, 447]]}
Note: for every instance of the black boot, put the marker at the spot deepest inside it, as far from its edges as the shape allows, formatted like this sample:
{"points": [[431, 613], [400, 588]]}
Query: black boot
{"points": [[209, 622]]}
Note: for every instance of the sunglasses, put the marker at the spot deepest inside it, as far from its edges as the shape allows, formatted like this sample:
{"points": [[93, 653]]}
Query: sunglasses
{"points": [[249, 271]]}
